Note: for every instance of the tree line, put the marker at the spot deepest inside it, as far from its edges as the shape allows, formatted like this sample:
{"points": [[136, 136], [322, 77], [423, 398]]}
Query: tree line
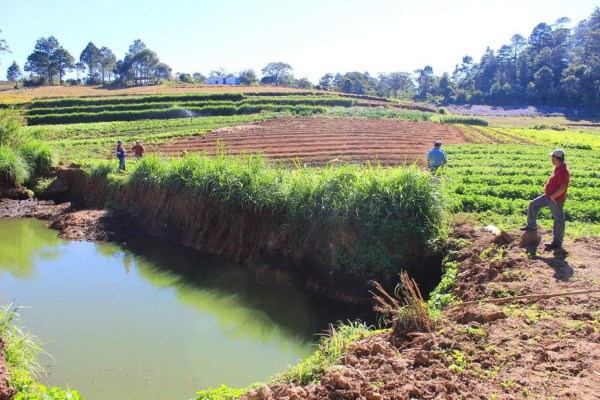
{"points": [[555, 65], [50, 62]]}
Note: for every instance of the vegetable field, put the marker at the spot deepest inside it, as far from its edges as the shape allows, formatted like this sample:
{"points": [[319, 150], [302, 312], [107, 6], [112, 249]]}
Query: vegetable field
{"points": [[499, 180]]}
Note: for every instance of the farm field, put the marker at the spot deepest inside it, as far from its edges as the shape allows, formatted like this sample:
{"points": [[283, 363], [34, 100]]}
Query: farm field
{"points": [[309, 169], [27, 94], [318, 141]]}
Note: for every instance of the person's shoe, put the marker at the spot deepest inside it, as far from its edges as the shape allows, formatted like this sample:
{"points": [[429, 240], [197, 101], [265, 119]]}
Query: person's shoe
{"points": [[528, 229], [552, 245]]}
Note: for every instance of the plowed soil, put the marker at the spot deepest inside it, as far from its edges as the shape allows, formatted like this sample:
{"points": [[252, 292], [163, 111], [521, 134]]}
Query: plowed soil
{"points": [[319, 141], [541, 348]]}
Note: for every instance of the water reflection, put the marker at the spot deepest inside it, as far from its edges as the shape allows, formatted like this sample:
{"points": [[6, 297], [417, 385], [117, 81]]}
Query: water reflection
{"points": [[22, 243], [150, 320]]}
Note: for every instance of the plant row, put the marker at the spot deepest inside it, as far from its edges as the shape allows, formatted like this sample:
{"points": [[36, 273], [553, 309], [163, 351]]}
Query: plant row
{"points": [[308, 101], [504, 178], [188, 112]]}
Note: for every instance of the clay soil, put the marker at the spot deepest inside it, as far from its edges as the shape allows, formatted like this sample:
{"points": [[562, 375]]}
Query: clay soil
{"points": [[538, 349], [319, 141]]}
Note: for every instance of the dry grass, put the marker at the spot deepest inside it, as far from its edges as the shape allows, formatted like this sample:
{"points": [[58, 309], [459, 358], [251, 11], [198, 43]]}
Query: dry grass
{"points": [[8, 95], [410, 313]]}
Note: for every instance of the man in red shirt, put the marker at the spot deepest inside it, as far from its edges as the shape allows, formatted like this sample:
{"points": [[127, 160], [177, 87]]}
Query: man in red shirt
{"points": [[554, 198], [138, 149]]}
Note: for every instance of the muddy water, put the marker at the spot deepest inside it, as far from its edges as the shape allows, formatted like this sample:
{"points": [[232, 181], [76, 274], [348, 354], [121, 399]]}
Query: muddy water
{"points": [[145, 320]]}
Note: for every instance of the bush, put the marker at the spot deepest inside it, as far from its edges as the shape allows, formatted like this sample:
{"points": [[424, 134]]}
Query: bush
{"points": [[462, 119], [11, 122], [186, 78], [38, 155], [13, 166]]}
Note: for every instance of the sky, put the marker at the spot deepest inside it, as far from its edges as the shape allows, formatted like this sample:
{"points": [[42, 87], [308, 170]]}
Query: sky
{"points": [[313, 36]]}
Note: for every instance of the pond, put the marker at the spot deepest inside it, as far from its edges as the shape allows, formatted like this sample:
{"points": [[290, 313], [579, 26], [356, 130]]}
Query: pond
{"points": [[151, 320]]}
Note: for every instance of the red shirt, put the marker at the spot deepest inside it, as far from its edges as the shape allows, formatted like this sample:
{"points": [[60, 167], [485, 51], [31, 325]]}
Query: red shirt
{"points": [[560, 176], [138, 149]]}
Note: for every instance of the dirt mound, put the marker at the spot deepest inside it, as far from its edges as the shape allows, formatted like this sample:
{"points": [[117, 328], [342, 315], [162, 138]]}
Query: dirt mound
{"points": [[542, 348], [6, 392], [319, 141]]}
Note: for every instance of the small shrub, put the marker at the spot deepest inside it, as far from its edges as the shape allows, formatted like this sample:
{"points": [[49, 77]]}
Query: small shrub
{"points": [[38, 155], [443, 111], [13, 166]]}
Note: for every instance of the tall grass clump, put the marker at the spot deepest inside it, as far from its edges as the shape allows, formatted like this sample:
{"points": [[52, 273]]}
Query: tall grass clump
{"points": [[396, 213], [11, 122], [13, 167], [21, 156], [39, 156], [21, 350]]}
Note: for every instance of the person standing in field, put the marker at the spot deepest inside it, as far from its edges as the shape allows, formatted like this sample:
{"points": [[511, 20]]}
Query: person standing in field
{"points": [[436, 157], [121, 155], [138, 149], [555, 194]]}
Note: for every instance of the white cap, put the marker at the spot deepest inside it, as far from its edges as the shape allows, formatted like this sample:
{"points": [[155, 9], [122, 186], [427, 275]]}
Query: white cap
{"points": [[558, 153]]}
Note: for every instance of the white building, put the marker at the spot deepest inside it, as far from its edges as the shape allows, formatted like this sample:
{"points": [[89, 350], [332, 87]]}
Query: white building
{"points": [[221, 80]]}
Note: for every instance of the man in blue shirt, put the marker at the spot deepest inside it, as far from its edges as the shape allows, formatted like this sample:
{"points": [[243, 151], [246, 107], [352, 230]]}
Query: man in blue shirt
{"points": [[436, 157]]}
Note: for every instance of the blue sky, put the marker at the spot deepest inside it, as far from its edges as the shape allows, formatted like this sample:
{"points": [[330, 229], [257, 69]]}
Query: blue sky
{"points": [[314, 37]]}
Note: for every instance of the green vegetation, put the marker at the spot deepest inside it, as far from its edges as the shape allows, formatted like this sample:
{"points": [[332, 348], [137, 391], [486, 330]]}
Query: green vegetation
{"points": [[130, 108], [331, 349], [501, 180], [22, 158], [369, 199], [21, 350]]}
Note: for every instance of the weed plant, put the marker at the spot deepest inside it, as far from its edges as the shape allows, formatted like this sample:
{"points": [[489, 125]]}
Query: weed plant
{"points": [[21, 350]]}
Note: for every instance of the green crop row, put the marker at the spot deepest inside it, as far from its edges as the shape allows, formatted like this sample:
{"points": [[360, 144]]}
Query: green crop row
{"points": [[159, 98], [503, 179], [149, 126], [313, 101], [170, 113], [461, 119]]}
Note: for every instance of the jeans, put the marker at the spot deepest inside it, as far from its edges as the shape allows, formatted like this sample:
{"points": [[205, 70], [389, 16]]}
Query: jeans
{"points": [[558, 230], [122, 163]]}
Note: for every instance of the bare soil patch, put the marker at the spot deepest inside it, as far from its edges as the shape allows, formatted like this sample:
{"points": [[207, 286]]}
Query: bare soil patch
{"points": [[319, 141], [545, 348]]}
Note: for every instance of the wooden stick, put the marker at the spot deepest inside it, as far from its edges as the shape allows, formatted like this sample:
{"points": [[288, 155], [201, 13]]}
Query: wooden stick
{"points": [[526, 297]]}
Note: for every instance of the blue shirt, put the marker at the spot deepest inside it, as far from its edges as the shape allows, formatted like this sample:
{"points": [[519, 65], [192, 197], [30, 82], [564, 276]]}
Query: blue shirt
{"points": [[436, 157]]}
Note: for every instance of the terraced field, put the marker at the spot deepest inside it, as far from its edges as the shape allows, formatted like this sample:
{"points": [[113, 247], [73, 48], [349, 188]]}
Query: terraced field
{"points": [[318, 141]]}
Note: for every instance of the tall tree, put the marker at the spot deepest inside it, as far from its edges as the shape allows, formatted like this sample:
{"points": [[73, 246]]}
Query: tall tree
{"points": [[248, 77], [106, 61], [48, 59], [279, 72], [426, 82], [64, 62], [90, 56], [326, 81], [141, 66], [14, 72]]}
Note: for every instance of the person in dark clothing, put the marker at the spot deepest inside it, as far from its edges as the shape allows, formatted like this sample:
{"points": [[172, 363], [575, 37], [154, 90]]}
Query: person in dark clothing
{"points": [[121, 155]]}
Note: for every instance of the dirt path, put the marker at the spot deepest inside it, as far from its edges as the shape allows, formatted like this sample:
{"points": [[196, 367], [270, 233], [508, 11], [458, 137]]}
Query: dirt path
{"points": [[318, 141], [544, 349]]}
